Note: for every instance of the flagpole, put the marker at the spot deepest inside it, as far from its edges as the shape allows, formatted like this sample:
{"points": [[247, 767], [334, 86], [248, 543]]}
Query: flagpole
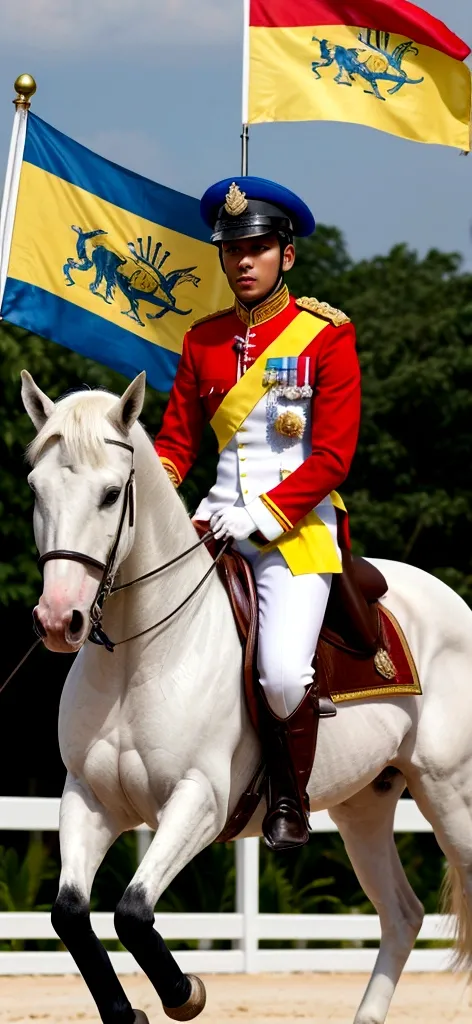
{"points": [[245, 111], [25, 87]]}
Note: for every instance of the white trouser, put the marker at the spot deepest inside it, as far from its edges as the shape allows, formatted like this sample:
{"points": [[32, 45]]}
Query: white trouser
{"points": [[291, 613]]}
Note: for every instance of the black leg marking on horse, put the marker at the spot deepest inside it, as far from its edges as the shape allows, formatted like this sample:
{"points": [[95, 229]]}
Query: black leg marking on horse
{"points": [[134, 920], [70, 918]]}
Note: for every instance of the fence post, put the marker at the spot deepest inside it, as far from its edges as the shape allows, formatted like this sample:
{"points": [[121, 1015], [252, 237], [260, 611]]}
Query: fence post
{"points": [[247, 899], [144, 838]]}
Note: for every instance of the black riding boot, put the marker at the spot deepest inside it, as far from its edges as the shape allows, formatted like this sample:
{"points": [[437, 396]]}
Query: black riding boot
{"points": [[289, 749]]}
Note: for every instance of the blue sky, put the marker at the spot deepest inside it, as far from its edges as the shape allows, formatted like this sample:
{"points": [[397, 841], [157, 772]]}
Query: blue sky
{"points": [[156, 86]]}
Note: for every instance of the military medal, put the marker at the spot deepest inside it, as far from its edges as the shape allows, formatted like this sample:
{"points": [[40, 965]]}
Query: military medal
{"points": [[288, 377], [290, 423]]}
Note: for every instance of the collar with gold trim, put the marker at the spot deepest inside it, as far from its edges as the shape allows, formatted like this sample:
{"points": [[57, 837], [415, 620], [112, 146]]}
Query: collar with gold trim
{"points": [[265, 310]]}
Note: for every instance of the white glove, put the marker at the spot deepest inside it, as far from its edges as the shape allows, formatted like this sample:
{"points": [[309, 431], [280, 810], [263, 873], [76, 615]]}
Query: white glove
{"points": [[233, 521]]}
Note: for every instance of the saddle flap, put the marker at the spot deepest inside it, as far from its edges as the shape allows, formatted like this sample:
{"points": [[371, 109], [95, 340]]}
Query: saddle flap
{"points": [[238, 579]]}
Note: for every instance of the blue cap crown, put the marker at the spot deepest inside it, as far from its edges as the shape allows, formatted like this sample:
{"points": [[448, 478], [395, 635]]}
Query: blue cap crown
{"points": [[261, 189]]}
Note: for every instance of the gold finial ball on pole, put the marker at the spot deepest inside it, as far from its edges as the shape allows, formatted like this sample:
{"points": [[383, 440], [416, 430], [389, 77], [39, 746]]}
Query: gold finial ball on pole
{"points": [[25, 88]]}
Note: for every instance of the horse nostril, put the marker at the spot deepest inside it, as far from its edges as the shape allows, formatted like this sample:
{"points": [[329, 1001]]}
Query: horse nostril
{"points": [[38, 626], [77, 622]]}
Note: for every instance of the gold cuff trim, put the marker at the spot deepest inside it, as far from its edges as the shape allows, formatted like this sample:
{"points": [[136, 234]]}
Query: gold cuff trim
{"points": [[277, 513], [171, 470], [265, 311]]}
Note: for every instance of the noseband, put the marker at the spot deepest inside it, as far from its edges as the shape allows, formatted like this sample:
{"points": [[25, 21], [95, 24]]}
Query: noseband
{"points": [[77, 556], [97, 634], [107, 568]]}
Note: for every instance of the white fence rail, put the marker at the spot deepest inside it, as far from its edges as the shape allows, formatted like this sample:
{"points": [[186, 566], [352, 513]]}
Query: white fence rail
{"points": [[245, 929]]}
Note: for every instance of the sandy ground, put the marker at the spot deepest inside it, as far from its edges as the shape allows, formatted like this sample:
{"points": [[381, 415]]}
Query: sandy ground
{"points": [[278, 998]]}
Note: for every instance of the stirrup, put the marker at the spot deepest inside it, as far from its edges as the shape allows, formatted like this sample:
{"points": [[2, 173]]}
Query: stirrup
{"points": [[276, 817]]}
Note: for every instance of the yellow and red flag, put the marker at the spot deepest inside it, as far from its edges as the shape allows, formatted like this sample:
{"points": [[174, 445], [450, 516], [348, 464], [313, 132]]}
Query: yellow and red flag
{"points": [[383, 63]]}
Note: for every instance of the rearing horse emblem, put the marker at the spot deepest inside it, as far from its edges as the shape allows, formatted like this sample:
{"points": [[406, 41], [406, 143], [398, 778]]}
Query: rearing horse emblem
{"points": [[372, 62], [138, 275]]}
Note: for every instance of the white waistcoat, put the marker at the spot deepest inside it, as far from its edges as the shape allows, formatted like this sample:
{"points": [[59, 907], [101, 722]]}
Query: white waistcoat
{"points": [[258, 458]]}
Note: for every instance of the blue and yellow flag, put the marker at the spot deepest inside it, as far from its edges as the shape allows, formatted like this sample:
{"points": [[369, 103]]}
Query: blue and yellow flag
{"points": [[388, 64], [105, 261]]}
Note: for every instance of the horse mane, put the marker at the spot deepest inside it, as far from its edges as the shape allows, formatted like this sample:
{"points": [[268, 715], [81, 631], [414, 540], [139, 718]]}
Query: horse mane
{"points": [[78, 420]]}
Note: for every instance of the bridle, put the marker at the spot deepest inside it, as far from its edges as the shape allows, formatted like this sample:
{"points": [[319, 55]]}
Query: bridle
{"points": [[108, 569]]}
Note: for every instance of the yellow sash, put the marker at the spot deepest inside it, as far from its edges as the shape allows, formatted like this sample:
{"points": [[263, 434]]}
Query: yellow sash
{"points": [[249, 390], [308, 548]]}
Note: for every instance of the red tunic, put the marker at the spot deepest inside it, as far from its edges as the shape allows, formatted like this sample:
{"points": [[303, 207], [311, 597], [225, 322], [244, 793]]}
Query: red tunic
{"points": [[208, 369]]}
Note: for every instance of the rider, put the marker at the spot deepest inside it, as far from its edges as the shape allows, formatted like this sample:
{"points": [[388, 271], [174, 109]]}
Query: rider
{"points": [[279, 380]]}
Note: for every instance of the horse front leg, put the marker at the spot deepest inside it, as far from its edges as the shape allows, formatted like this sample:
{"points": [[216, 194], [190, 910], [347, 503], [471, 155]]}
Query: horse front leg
{"points": [[86, 833], [187, 824]]}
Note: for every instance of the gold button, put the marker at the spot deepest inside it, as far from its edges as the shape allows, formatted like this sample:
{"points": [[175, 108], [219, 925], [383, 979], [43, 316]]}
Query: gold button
{"points": [[242, 458], [245, 492], [241, 445], [243, 474]]}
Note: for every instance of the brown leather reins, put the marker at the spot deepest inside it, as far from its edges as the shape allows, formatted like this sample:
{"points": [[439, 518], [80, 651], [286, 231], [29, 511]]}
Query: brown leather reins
{"points": [[108, 569]]}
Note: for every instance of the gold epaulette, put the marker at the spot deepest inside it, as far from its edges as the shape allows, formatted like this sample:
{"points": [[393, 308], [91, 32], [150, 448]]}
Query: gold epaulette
{"points": [[212, 316], [323, 309]]}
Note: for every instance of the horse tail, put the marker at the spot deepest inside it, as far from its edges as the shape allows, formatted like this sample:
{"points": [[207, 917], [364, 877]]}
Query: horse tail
{"points": [[454, 903]]}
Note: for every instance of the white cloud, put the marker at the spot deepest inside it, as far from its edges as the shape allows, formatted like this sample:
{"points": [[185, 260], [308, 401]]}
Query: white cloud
{"points": [[112, 25]]}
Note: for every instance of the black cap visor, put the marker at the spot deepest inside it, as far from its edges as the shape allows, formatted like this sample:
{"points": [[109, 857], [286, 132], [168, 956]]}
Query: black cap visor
{"points": [[251, 227]]}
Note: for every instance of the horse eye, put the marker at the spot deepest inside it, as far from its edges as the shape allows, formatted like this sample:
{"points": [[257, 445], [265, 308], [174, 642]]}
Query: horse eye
{"points": [[111, 497]]}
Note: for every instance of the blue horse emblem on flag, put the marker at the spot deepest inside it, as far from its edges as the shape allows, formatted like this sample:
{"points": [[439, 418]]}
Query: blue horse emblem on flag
{"points": [[371, 62], [138, 275]]}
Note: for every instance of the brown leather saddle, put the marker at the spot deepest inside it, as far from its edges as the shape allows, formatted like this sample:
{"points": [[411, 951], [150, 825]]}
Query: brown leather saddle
{"points": [[352, 630], [361, 653]]}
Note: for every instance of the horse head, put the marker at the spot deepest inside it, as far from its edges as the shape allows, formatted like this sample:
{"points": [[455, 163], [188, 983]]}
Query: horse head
{"points": [[80, 481]]}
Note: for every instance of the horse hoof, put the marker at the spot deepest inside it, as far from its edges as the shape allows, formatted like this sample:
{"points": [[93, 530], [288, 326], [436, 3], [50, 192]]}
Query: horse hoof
{"points": [[140, 1017], [194, 1004]]}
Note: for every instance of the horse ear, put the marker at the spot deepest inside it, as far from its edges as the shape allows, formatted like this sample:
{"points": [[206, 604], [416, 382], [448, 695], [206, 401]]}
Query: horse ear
{"points": [[128, 408], [38, 406]]}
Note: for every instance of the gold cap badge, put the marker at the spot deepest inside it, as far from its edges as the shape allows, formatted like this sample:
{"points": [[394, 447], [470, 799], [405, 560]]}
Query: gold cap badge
{"points": [[236, 202]]}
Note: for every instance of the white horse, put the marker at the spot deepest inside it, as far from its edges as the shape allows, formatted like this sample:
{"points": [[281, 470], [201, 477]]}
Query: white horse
{"points": [[158, 731]]}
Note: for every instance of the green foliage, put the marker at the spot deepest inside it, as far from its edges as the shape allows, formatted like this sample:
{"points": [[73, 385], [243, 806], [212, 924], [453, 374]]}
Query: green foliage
{"points": [[21, 881]]}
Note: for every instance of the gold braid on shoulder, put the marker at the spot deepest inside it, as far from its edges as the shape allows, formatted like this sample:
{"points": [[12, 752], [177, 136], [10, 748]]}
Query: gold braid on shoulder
{"points": [[324, 310]]}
